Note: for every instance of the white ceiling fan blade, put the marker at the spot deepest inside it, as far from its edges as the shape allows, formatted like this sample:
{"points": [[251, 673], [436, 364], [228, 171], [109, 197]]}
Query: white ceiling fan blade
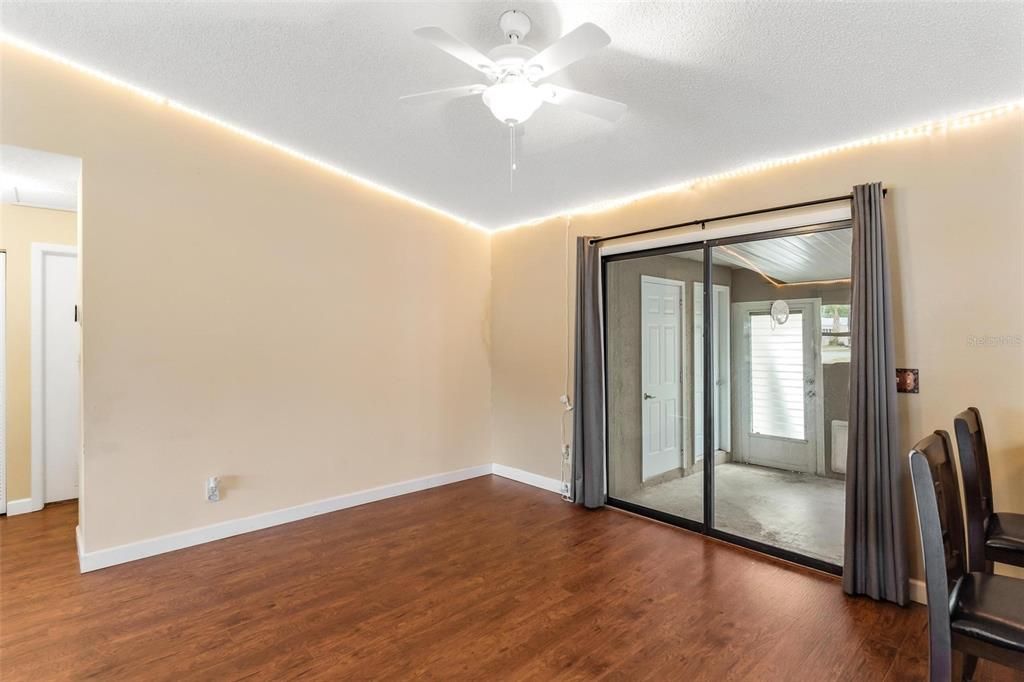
{"points": [[464, 53], [608, 109], [571, 47], [444, 95]]}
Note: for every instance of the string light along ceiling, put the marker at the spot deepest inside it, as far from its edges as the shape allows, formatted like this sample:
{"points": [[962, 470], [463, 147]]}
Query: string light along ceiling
{"points": [[936, 127], [939, 126]]}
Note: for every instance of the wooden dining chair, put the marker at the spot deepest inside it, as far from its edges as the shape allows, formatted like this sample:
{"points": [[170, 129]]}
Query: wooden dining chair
{"points": [[978, 615], [991, 536]]}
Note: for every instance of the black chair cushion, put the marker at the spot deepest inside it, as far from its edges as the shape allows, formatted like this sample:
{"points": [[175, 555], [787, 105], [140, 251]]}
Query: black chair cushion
{"points": [[1005, 532], [990, 608]]}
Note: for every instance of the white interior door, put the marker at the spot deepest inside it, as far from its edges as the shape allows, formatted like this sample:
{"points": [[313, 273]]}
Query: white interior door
{"points": [[661, 351], [55, 373], [3, 382], [781, 407], [720, 363]]}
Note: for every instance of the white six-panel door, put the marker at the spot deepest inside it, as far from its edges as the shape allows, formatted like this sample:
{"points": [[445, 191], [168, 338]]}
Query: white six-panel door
{"points": [[661, 351]]}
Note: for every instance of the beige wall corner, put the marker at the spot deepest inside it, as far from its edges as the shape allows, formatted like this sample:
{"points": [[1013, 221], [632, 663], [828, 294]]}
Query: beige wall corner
{"points": [[250, 315]]}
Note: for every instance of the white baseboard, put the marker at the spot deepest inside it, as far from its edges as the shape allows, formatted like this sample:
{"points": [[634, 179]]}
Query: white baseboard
{"points": [[918, 593], [22, 506], [91, 561], [536, 480]]}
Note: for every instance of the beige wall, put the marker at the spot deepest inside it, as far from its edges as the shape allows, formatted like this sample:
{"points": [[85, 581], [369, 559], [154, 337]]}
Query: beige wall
{"points": [[20, 226], [956, 236], [250, 315]]}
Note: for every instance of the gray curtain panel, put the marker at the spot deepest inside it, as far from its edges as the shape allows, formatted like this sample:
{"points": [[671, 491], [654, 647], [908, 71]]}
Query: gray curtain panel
{"points": [[875, 558], [588, 409]]}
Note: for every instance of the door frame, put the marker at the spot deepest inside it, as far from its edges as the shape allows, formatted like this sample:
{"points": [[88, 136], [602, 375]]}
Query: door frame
{"points": [[39, 251], [724, 430], [3, 382], [680, 430], [739, 310], [699, 240]]}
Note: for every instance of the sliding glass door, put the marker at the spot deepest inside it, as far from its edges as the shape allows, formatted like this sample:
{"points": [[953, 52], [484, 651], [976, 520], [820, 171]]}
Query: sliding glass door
{"points": [[727, 385], [653, 461]]}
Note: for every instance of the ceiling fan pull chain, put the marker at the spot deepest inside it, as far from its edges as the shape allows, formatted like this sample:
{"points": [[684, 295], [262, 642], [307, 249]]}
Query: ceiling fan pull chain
{"points": [[512, 153], [512, 136]]}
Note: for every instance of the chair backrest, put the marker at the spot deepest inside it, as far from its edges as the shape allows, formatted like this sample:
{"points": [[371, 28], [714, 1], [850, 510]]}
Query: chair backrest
{"points": [[937, 497], [973, 455]]}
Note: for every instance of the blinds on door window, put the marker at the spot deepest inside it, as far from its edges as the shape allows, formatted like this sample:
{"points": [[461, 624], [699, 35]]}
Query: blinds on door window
{"points": [[777, 376]]}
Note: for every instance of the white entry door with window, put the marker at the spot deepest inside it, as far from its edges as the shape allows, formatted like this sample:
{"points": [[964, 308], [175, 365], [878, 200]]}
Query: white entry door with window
{"points": [[661, 384], [781, 405], [55, 374]]}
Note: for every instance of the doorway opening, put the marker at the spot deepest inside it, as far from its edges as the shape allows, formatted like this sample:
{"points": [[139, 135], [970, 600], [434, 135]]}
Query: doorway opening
{"points": [[39, 234], [727, 387]]}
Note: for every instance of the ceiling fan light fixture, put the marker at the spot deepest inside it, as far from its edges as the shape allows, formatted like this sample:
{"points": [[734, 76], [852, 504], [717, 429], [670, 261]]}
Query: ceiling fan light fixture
{"points": [[513, 69], [513, 100]]}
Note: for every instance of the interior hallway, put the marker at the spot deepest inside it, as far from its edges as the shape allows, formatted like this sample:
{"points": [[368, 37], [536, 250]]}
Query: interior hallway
{"points": [[484, 579]]}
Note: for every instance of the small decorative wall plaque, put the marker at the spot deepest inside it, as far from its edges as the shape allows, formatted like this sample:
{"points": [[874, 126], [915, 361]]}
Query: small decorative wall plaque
{"points": [[907, 381]]}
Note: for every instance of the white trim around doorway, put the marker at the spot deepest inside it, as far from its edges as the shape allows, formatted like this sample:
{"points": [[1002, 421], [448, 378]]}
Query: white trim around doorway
{"points": [[3, 382], [39, 252]]}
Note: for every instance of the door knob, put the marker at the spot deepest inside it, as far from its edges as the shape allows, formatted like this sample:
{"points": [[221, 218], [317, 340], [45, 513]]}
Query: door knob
{"points": [[648, 396]]}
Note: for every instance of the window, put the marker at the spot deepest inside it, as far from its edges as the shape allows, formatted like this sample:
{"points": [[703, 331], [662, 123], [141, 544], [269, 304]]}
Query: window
{"points": [[777, 376], [835, 334]]}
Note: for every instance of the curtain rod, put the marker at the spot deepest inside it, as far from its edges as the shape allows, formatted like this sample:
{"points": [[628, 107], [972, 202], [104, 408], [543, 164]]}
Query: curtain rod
{"points": [[829, 200]]}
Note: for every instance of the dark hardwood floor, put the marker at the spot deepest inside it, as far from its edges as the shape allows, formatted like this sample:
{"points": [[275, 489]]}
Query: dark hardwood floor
{"points": [[481, 580]]}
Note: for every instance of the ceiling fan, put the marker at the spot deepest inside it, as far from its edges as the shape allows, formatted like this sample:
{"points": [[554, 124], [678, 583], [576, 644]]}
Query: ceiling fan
{"points": [[514, 71]]}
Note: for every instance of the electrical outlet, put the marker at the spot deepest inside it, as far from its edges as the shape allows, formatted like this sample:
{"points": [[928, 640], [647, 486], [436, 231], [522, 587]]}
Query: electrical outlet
{"points": [[213, 489]]}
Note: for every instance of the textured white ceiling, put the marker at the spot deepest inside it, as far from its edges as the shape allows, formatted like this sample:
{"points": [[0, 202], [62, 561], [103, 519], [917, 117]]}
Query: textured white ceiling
{"points": [[710, 85], [34, 178]]}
